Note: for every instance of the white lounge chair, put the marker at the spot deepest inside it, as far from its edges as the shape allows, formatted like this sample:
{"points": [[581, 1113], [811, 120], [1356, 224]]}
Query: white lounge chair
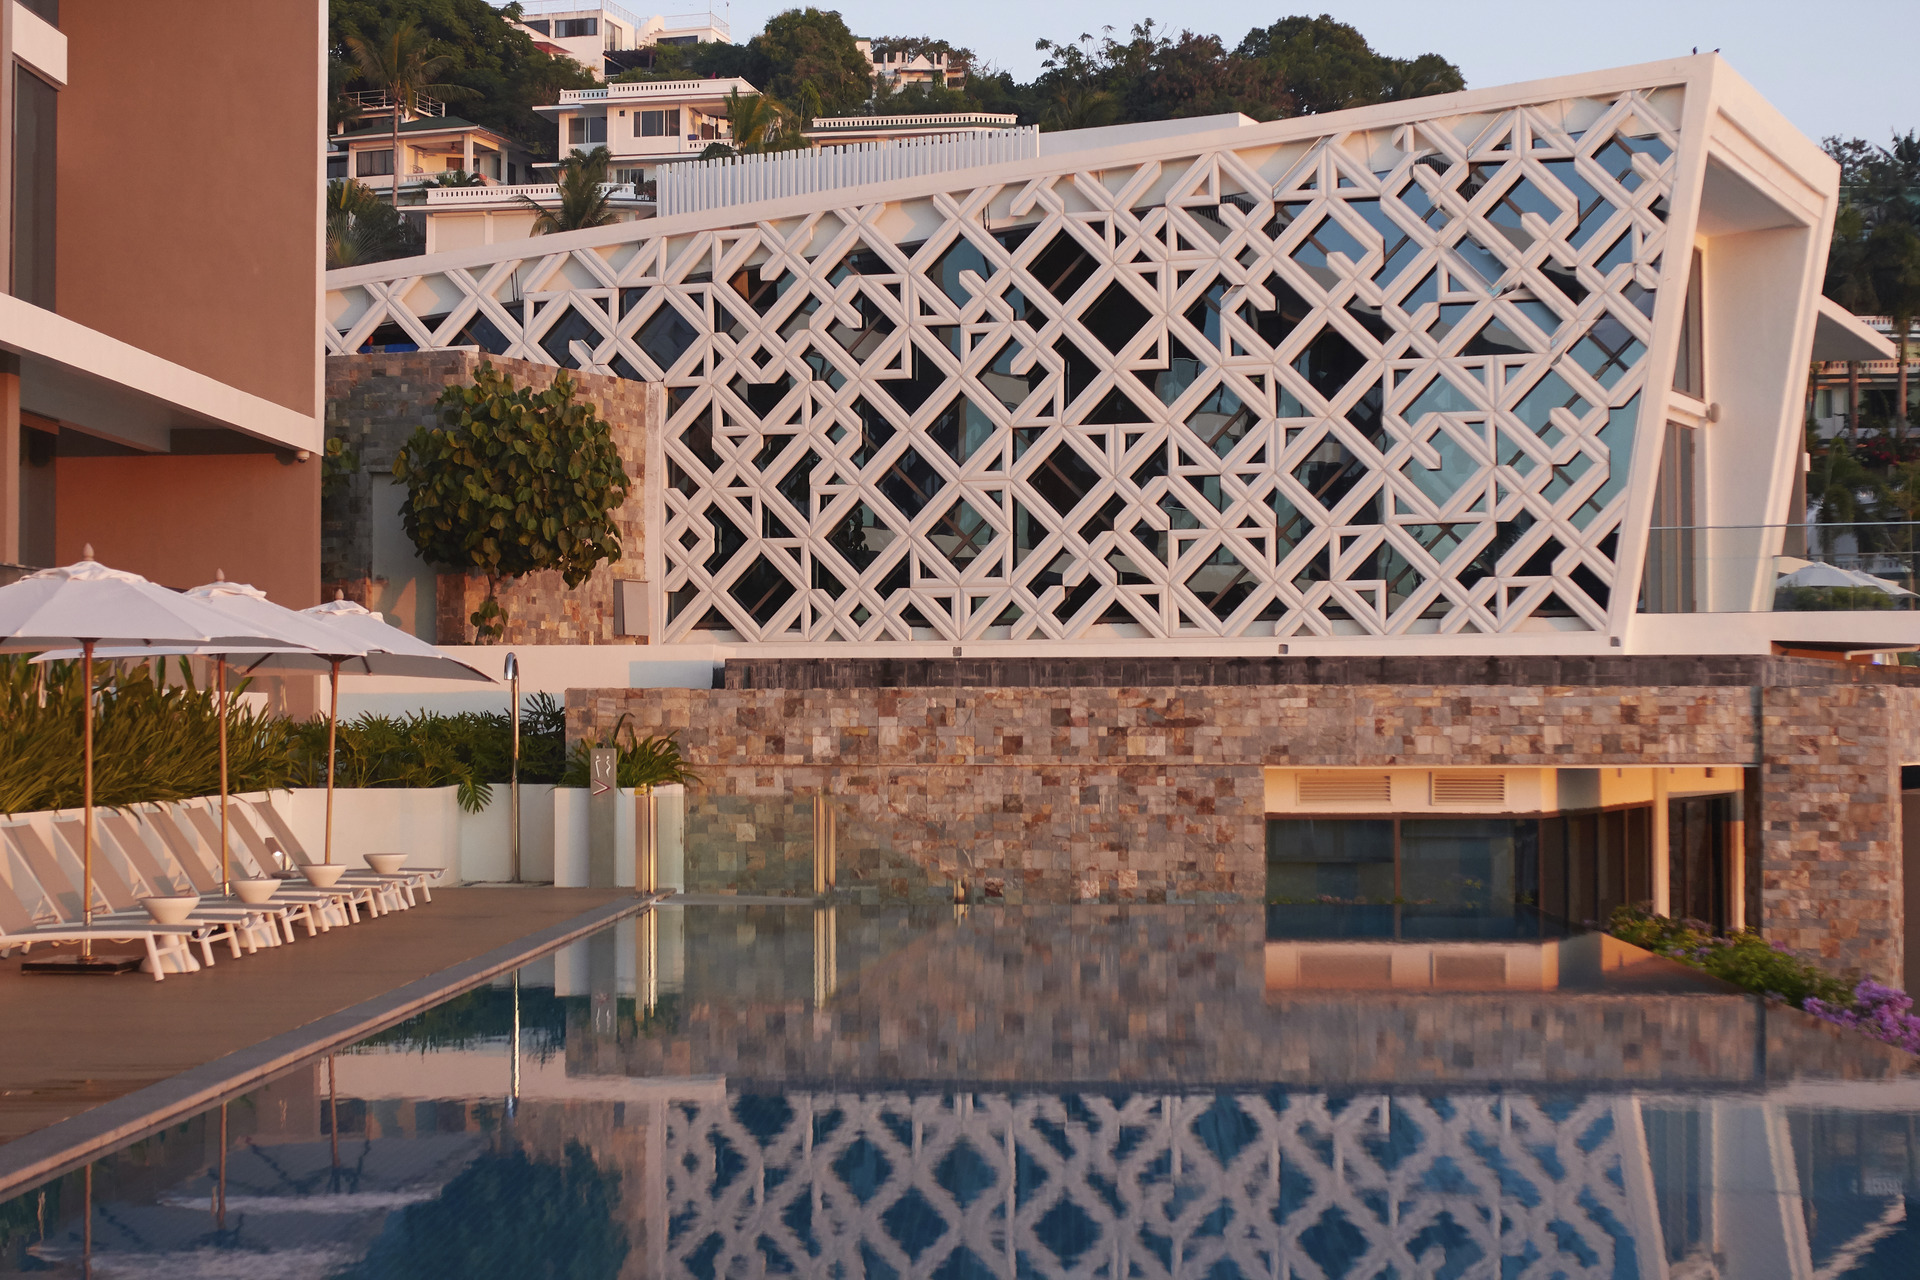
{"points": [[122, 897], [52, 905], [191, 832], [167, 947], [281, 834], [147, 862]]}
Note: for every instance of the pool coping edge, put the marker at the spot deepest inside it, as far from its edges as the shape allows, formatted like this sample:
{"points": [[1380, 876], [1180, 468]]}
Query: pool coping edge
{"points": [[65, 1145]]}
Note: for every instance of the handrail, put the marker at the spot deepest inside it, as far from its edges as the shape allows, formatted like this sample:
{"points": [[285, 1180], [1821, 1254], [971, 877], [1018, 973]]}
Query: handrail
{"points": [[378, 98], [658, 88], [533, 191], [1004, 121], [708, 184]]}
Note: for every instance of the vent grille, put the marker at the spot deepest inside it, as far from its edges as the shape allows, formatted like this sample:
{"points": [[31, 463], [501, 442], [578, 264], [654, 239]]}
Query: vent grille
{"points": [[1470, 789], [1345, 788]]}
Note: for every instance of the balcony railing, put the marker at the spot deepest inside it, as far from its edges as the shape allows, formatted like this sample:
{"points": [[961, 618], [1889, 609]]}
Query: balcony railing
{"points": [[630, 89], [1782, 568], [380, 100], [470, 197]]}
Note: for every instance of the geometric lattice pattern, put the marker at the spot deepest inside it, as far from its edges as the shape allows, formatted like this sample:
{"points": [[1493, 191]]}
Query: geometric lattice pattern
{"points": [[1220, 1185], [1378, 383]]}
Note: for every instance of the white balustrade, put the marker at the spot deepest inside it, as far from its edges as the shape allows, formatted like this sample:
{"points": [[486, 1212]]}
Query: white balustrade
{"points": [[711, 184]]}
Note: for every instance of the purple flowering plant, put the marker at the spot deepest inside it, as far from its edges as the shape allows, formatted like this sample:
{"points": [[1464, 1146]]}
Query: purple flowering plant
{"points": [[1745, 959]]}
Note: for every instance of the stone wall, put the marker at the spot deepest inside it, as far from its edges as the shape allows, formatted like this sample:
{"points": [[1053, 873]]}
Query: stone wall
{"points": [[374, 402], [1155, 794], [1139, 995]]}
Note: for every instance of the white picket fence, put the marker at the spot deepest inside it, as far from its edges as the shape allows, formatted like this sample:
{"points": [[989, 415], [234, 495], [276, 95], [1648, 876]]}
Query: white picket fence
{"points": [[713, 184]]}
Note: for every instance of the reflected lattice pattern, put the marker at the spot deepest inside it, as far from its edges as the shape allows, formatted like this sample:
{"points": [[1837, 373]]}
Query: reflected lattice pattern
{"points": [[1381, 383], [1225, 1185]]}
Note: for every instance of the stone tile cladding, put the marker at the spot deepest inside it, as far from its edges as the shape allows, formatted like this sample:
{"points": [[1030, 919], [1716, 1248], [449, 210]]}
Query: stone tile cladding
{"points": [[1147, 994], [1154, 793], [374, 402]]}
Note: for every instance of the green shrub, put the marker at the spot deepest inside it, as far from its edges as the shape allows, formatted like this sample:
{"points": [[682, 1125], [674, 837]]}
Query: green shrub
{"points": [[1745, 959], [643, 762], [472, 750], [157, 738], [153, 738]]}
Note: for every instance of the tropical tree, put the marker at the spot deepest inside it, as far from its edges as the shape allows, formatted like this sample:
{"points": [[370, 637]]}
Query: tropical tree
{"points": [[1328, 66], [583, 199], [757, 123], [361, 227], [513, 481], [496, 61], [1893, 263], [802, 47], [396, 58]]}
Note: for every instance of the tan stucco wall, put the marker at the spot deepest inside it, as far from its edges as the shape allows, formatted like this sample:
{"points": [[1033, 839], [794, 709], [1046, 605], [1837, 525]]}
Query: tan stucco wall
{"points": [[178, 520], [190, 183]]}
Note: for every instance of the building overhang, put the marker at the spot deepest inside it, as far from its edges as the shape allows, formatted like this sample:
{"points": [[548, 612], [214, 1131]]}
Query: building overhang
{"points": [[81, 378], [1838, 334]]}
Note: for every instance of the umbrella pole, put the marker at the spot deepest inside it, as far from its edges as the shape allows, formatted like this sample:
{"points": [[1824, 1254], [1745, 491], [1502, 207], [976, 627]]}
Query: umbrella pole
{"points": [[86, 789], [333, 723], [226, 879]]}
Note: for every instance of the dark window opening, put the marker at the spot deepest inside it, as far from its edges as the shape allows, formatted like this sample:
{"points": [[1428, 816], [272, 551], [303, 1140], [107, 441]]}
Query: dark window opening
{"points": [[35, 187], [1689, 367], [1668, 584]]}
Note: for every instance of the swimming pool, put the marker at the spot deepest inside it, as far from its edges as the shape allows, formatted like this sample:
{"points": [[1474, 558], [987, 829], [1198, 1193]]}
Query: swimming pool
{"points": [[748, 1090]]}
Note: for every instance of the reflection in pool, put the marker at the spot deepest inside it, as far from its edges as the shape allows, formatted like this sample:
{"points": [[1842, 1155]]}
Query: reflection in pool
{"points": [[715, 1091]]}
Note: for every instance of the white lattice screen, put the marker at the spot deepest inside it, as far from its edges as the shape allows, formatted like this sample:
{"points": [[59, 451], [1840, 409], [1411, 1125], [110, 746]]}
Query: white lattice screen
{"points": [[1381, 383], [1300, 1185]]}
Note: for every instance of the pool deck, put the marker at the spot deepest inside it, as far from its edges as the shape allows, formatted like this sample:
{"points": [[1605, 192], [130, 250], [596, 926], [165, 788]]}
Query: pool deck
{"points": [[72, 1044]]}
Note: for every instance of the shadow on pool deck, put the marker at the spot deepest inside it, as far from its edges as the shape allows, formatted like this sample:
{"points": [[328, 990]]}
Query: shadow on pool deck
{"points": [[72, 1043]]}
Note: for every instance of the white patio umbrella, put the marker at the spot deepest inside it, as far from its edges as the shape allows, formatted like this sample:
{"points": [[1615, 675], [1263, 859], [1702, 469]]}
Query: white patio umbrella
{"points": [[290, 632], [1830, 575], [90, 605], [368, 646]]}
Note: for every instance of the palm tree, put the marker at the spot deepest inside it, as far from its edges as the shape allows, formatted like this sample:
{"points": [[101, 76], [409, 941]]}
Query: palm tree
{"points": [[757, 123], [583, 203], [1893, 261], [361, 227], [396, 59]]}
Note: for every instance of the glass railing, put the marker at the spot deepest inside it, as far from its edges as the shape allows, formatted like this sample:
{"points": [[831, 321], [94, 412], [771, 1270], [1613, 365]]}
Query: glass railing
{"points": [[1782, 568]]}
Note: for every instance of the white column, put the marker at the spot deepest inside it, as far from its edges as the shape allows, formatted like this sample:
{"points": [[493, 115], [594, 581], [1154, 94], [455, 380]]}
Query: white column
{"points": [[1757, 1213], [1661, 851]]}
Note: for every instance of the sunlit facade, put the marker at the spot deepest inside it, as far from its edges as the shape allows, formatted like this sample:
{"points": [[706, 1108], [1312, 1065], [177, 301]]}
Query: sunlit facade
{"points": [[1516, 370]]}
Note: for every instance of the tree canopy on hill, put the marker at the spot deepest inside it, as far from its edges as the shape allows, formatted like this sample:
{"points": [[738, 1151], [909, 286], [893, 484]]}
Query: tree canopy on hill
{"points": [[1329, 66], [504, 75], [1296, 66]]}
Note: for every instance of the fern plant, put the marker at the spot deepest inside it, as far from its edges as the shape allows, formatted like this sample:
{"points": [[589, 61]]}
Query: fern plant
{"points": [[650, 761]]}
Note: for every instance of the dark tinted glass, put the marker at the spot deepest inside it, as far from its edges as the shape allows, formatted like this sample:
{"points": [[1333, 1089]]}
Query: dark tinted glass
{"points": [[1347, 859], [35, 103]]}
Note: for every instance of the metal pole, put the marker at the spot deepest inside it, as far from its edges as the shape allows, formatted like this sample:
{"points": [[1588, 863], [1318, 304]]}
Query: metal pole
{"points": [[513, 1072], [513, 779], [226, 878], [333, 724], [86, 793]]}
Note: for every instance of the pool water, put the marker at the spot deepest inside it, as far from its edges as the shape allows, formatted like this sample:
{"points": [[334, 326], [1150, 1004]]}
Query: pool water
{"points": [[733, 1090]]}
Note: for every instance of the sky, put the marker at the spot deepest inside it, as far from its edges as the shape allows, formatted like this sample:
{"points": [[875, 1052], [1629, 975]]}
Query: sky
{"points": [[1847, 67]]}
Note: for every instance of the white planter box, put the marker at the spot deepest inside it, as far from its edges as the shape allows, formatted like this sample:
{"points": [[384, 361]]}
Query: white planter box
{"points": [[570, 837], [421, 822], [485, 854]]}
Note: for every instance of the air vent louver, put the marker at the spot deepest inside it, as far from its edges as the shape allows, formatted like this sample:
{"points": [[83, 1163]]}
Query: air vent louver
{"points": [[1345, 788], [1470, 789]]}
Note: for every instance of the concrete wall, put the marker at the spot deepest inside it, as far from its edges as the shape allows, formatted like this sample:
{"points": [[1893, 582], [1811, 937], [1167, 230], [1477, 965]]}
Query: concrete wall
{"points": [[214, 263], [180, 519], [374, 402], [1154, 792]]}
